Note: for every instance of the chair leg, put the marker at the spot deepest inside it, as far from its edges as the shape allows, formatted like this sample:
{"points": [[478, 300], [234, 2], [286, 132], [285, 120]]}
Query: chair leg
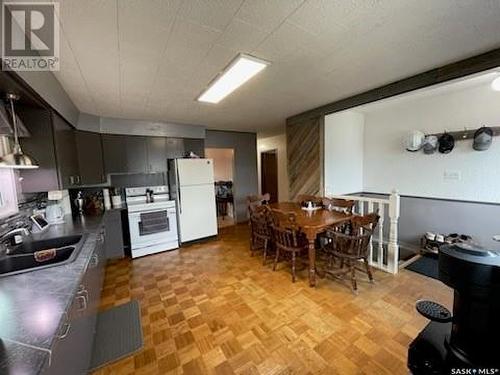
{"points": [[266, 244], [293, 266], [252, 246], [353, 277], [276, 258], [368, 270]]}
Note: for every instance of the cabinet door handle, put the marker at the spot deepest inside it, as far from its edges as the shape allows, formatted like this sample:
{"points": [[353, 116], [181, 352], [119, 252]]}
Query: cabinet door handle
{"points": [[65, 330], [94, 261], [178, 187], [82, 303], [82, 291]]}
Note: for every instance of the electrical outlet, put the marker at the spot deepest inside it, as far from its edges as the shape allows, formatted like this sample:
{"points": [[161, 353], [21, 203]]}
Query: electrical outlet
{"points": [[452, 175]]}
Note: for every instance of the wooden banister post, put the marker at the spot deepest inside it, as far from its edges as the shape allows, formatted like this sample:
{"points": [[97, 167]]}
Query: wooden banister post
{"points": [[393, 246]]}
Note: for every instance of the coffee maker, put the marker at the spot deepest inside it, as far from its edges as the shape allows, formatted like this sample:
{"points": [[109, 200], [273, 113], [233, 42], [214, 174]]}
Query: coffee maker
{"points": [[466, 340]]}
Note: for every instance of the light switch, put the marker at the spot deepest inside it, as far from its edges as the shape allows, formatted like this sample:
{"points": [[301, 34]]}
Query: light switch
{"points": [[452, 175]]}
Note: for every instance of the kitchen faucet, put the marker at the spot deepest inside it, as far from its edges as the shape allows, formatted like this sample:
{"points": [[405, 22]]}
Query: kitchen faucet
{"points": [[17, 234]]}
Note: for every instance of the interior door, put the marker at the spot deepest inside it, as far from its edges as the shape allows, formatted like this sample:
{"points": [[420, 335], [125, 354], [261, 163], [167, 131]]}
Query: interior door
{"points": [[195, 171], [269, 174], [198, 218]]}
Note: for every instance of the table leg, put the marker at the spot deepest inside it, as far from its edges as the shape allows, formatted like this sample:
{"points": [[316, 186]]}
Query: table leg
{"points": [[312, 264]]}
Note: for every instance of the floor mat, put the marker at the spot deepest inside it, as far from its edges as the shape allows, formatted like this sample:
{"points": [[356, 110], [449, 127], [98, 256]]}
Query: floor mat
{"points": [[427, 265], [118, 334]]}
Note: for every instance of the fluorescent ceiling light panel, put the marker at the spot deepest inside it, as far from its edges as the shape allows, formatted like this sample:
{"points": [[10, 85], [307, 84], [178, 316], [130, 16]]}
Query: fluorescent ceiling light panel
{"points": [[239, 71]]}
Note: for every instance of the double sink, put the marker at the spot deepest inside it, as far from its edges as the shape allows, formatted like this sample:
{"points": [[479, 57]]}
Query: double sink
{"points": [[38, 254]]}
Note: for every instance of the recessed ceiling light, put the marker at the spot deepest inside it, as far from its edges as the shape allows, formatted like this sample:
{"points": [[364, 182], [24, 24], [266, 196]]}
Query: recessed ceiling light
{"points": [[495, 85], [239, 71]]}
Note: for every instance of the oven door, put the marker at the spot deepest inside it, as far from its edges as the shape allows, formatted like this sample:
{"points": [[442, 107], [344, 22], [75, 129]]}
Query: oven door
{"points": [[152, 227]]}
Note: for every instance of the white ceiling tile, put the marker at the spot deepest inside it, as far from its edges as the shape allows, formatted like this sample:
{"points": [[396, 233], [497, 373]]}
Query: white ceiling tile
{"points": [[211, 13], [289, 42], [267, 14], [241, 36], [151, 59]]}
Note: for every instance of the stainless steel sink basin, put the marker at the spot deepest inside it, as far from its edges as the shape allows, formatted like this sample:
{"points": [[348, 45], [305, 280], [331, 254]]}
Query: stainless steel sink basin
{"points": [[29, 247], [39, 254]]}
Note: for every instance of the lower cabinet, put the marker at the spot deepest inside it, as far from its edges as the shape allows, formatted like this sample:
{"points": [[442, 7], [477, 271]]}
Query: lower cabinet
{"points": [[72, 350], [114, 234]]}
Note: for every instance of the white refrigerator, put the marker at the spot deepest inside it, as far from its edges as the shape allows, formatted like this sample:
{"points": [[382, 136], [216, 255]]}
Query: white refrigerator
{"points": [[192, 186]]}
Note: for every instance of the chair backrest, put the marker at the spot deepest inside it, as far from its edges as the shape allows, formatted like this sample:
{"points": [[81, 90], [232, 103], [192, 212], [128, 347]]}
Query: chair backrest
{"points": [[286, 232], [261, 221], [353, 246], [343, 205], [254, 201], [318, 201], [365, 222]]}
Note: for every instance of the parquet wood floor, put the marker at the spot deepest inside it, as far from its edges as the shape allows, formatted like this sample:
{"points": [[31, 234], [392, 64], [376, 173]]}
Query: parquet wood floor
{"points": [[211, 308]]}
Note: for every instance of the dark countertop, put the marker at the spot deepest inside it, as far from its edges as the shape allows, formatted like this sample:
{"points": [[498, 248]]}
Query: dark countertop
{"points": [[33, 305]]}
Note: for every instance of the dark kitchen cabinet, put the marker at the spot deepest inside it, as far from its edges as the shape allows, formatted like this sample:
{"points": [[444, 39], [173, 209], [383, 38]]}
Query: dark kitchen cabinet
{"points": [[40, 146], [66, 153], [124, 154], [175, 148], [90, 157], [195, 145], [157, 150], [72, 351], [114, 234]]}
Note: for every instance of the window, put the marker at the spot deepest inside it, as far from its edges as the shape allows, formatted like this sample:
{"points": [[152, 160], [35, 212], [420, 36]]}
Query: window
{"points": [[8, 194]]}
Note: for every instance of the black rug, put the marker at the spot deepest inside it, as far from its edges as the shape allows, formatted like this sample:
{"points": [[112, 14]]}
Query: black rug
{"points": [[427, 265], [118, 334]]}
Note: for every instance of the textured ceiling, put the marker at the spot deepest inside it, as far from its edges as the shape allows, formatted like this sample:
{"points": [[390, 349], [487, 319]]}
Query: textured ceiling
{"points": [[149, 59]]}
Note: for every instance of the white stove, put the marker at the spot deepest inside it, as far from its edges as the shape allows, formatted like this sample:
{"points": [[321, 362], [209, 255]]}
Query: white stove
{"points": [[152, 220]]}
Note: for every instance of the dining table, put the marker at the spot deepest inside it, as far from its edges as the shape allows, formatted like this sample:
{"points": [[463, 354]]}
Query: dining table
{"points": [[312, 222]]}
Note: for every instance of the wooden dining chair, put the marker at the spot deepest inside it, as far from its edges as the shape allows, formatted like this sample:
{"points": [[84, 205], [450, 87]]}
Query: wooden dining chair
{"points": [[317, 201], [351, 249], [261, 231], [338, 204], [360, 222], [337, 245], [254, 201], [288, 239]]}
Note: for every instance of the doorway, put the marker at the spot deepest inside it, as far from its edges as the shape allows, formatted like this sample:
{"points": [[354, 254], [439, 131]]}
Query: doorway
{"points": [[224, 184], [269, 174]]}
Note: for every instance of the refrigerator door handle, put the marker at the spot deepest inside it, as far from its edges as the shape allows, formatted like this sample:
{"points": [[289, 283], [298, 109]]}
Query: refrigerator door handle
{"points": [[178, 187]]}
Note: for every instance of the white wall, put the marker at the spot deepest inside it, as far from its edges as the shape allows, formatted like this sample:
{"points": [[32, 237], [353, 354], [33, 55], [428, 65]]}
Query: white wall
{"points": [[277, 143], [223, 162], [387, 165], [343, 150]]}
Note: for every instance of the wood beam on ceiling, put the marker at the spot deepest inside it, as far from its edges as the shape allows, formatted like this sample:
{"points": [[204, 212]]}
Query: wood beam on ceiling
{"points": [[458, 69]]}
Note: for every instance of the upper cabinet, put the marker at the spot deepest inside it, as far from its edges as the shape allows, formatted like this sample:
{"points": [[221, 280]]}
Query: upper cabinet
{"points": [[157, 151], [40, 145], [52, 144], [124, 154], [66, 154], [138, 154], [90, 157]]}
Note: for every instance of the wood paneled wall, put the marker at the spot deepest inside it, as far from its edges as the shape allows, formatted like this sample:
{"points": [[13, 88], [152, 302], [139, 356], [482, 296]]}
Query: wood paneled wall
{"points": [[304, 146]]}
